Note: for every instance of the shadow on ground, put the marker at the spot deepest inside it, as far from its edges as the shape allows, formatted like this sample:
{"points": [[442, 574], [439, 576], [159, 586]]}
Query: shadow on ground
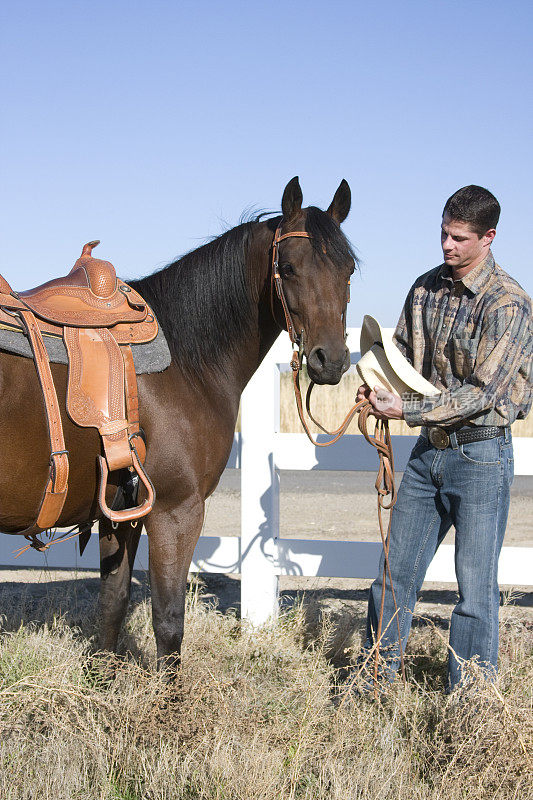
{"points": [[341, 610], [76, 598]]}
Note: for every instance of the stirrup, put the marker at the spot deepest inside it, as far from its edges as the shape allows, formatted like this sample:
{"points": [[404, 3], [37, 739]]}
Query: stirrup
{"points": [[126, 514]]}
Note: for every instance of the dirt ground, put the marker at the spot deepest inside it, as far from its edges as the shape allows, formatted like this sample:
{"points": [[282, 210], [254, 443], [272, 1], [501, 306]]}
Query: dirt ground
{"points": [[341, 505], [315, 505]]}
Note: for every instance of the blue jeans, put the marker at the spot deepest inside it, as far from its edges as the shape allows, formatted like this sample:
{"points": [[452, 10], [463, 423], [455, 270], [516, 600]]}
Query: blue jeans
{"points": [[467, 486]]}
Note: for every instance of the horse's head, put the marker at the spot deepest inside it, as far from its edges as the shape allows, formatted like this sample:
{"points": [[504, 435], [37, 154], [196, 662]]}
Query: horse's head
{"points": [[312, 264]]}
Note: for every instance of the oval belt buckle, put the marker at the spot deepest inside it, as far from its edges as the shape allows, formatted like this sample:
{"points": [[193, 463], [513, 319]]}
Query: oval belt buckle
{"points": [[439, 438]]}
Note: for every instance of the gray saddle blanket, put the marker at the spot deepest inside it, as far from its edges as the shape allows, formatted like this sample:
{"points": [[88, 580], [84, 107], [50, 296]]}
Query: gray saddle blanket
{"points": [[153, 356]]}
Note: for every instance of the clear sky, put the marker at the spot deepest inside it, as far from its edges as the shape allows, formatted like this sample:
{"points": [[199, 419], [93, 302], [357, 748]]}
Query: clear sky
{"points": [[151, 125]]}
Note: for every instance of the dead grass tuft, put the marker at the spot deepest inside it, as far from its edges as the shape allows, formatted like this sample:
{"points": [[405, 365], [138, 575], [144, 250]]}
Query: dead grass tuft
{"points": [[253, 717]]}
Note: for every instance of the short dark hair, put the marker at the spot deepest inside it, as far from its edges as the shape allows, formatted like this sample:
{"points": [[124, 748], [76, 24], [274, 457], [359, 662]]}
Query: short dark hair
{"points": [[475, 205]]}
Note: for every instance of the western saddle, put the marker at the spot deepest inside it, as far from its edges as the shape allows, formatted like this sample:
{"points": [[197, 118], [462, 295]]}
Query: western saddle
{"points": [[99, 317]]}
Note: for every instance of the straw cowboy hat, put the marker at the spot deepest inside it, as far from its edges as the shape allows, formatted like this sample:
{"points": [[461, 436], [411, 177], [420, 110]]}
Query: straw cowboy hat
{"points": [[382, 364]]}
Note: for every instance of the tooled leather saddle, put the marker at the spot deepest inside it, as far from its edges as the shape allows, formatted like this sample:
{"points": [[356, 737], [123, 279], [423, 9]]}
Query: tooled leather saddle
{"points": [[99, 317]]}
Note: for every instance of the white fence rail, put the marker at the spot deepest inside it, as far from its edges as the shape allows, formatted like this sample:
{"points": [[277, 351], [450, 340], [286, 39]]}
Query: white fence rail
{"points": [[260, 555]]}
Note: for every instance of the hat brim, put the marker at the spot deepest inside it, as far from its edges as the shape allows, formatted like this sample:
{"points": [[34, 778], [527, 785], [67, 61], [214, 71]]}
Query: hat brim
{"points": [[380, 358], [374, 370]]}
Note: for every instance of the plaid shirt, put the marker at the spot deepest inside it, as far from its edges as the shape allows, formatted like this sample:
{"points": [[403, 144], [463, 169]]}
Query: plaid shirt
{"points": [[473, 340]]}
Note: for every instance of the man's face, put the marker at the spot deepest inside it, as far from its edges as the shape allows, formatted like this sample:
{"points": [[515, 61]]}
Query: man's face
{"points": [[461, 246]]}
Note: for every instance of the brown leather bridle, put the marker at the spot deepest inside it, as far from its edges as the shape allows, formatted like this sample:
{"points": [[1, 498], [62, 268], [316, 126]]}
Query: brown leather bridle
{"points": [[277, 282], [385, 481], [297, 339]]}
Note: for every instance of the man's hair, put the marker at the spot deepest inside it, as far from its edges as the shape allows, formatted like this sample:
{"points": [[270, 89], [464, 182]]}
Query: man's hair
{"points": [[474, 205]]}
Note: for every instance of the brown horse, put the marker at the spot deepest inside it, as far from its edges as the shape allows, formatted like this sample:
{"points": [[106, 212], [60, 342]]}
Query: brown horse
{"points": [[220, 317]]}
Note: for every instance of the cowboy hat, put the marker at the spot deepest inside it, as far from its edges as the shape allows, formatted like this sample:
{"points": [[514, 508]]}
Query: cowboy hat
{"points": [[382, 364]]}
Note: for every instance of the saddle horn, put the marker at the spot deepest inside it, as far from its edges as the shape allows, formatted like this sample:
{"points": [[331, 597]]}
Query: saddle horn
{"points": [[88, 248]]}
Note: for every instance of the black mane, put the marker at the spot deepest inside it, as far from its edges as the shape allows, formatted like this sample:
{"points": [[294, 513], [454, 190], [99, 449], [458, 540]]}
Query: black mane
{"points": [[202, 300]]}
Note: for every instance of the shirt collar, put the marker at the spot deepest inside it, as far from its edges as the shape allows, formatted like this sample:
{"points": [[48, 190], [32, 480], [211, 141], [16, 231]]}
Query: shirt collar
{"points": [[474, 280]]}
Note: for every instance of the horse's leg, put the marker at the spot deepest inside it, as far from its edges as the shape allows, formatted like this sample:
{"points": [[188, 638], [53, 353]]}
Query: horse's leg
{"points": [[172, 537], [117, 554]]}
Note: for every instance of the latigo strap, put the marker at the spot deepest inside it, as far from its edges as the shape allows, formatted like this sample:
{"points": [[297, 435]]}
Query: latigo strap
{"points": [[56, 489]]}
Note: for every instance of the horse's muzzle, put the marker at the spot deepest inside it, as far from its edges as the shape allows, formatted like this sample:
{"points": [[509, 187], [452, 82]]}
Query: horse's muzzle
{"points": [[323, 368]]}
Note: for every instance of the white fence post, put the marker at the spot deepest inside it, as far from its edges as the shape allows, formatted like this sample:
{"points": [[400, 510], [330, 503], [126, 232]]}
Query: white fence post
{"points": [[259, 496]]}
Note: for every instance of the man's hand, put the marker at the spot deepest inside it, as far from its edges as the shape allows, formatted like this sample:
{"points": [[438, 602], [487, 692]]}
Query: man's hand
{"points": [[386, 405]]}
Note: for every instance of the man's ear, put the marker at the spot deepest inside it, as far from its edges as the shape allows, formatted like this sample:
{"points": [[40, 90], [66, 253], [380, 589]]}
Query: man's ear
{"points": [[488, 236]]}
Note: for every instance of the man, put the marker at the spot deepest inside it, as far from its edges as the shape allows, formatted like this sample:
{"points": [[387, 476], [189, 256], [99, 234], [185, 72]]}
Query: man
{"points": [[466, 327]]}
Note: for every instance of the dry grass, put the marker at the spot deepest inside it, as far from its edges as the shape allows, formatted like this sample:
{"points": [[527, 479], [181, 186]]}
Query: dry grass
{"points": [[254, 719], [331, 403]]}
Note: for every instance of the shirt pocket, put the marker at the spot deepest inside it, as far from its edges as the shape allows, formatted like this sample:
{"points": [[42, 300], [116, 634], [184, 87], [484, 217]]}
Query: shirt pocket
{"points": [[461, 353]]}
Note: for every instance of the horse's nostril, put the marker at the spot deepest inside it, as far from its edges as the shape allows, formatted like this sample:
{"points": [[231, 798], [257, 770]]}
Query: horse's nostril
{"points": [[318, 358], [326, 364], [321, 356]]}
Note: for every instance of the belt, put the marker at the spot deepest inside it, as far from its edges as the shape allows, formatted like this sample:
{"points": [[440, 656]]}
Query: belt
{"points": [[440, 437]]}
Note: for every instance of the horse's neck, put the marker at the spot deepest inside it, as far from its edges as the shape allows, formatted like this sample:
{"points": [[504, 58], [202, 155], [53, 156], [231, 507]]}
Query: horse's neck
{"points": [[242, 361], [259, 329], [266, 329]]}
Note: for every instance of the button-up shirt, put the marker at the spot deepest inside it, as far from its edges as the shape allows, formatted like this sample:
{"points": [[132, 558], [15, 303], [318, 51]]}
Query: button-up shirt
{"points": [[472, 339]]}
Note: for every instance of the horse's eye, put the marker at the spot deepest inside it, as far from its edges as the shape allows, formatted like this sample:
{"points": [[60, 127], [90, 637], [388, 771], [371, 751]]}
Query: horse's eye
{"points": [[286, 270]]}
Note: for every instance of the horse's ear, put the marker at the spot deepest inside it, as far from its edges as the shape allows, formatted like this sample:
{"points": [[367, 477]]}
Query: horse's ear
{"points": [[340, 205], [292, 198]]}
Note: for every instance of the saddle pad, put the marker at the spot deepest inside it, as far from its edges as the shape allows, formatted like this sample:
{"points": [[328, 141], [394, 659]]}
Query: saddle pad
{"points": [[153, 356]]}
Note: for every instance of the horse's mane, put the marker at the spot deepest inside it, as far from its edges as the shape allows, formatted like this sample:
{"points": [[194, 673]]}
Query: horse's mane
{"points": [[203, 301]]}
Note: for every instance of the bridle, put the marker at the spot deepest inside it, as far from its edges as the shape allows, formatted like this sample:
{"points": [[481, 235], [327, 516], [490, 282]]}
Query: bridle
{"points": [[276, 281], [381, 440], [297, 339]]}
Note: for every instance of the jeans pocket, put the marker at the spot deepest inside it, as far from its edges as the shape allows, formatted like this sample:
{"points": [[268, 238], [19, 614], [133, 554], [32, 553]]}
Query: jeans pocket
{"points": [[485, 453]]}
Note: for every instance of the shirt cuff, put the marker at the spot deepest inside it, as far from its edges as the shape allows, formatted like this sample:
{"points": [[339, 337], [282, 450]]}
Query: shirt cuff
{"points": [[413, 416], [416, 407]]}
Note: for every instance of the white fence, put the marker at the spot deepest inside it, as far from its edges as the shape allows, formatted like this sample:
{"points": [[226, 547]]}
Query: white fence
{"points": [[260, 554]]}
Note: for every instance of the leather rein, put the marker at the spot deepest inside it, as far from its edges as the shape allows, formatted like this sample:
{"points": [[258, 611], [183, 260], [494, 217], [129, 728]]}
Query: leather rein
{"points": [[381, 439]]}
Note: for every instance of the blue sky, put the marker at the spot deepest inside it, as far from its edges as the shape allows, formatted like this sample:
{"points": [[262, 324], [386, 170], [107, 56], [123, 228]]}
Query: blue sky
{"points": [[150, 125]]}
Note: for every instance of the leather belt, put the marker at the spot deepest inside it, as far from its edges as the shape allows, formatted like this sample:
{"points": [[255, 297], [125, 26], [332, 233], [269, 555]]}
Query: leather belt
{"points": [[440, 437]]}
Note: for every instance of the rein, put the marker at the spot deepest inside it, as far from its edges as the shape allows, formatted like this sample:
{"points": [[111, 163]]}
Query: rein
{"points": [[385, 486], [381, 439]]}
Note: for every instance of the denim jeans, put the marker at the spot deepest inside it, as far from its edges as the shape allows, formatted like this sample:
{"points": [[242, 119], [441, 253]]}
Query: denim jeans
{"points": [[467, 486]]}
